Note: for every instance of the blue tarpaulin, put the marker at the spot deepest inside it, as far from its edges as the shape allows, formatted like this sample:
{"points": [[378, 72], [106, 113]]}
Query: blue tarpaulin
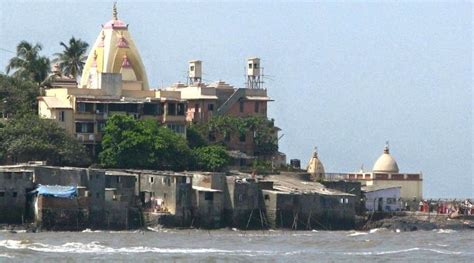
{"points": [[57, 191]]}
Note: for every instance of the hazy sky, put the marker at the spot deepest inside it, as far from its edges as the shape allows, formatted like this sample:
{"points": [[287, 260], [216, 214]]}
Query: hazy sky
{"points": [[346, 76]]}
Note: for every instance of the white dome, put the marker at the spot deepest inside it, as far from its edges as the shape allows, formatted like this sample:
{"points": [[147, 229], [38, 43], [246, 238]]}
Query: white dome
{"points": [[385, 163]]}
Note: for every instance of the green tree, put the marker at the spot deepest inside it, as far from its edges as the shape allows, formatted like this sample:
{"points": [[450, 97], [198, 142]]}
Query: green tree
{"points": [[194, 137], [130, 143], [28, 138], [17, 97], [28, 64], [126, 144], [211, 158], [72, 59], [263, 131]]}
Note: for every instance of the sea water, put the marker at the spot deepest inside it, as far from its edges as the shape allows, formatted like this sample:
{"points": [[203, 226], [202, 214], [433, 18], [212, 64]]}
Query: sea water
{"points": [[239, 246]]}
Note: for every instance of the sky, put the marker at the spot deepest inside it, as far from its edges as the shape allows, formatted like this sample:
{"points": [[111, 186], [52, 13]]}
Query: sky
{"points": [[346, 76]]}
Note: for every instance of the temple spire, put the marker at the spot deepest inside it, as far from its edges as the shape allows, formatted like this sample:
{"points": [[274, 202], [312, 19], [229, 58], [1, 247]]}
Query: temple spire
{"points": [[386, 149], [315, 152], [114, 11]]}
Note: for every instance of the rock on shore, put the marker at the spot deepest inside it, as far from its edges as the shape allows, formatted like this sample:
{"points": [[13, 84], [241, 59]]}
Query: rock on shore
{"points": [[419, 221]]}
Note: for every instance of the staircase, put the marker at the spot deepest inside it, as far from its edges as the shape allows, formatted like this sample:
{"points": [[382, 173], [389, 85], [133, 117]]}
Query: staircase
{"points": [[239, 93]]}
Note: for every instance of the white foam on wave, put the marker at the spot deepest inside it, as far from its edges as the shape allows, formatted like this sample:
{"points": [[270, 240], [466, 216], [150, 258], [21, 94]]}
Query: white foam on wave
{"points": [[371, 231], [445, 231], [88, 230], [365, 253], [97, 248], [6, 256], [357, 233]]}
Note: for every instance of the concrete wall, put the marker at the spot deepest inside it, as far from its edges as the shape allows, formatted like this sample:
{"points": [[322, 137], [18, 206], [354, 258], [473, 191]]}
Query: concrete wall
{"points": [[309, 210], [61, 214], [244, 208], [175, 191], [209, 209], [14, 186]]}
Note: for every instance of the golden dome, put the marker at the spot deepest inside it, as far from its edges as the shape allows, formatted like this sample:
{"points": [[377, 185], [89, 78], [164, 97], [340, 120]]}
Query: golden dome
{"points": [[113, 43], [386, 163], [315, 165]]}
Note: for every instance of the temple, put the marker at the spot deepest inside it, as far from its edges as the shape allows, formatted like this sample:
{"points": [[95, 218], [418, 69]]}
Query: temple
{"points": [[114, 81]]}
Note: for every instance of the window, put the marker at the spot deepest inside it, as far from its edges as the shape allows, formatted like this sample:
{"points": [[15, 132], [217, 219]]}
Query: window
{"points": [[14, 194], [151, 179], [191, 68], [150, 109], [210, 107], [250, 65], [196, 107], [62, 115], [100, 108], [101, 126], [242, 138], [118, 179], [342, 200], [209, 196], [255, 66], [241, 197], [85, 107], [241, 106], [84, 127], [181, 109], [171, 108], [257, 106], [178, 128], [267, 197], [391, 201]]}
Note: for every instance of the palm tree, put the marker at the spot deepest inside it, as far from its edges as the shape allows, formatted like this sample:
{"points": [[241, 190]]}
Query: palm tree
{"points": [[72, 59], [28, 64]]}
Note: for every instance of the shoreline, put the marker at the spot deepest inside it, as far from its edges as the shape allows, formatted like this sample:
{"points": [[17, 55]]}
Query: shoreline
{"points": [[397, 222]]}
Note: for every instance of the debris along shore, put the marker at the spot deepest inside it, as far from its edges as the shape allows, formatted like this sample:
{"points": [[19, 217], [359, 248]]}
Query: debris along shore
{"points": [[412, 221]]}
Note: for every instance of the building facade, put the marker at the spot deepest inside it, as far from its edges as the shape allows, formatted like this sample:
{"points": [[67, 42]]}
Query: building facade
{"points": [[114, 81], [386, 174]]}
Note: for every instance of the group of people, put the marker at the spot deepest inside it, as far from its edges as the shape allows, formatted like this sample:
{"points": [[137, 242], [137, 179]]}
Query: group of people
{"points": [[451, 208]]}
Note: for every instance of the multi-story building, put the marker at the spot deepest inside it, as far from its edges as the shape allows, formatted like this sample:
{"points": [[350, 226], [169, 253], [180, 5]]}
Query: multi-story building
{"points": [[221, 99], [114, 81]]}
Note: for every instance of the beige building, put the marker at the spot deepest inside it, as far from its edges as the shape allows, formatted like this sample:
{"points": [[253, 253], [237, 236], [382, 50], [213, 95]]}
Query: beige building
{"points": [[386, 174], [114, 81]]}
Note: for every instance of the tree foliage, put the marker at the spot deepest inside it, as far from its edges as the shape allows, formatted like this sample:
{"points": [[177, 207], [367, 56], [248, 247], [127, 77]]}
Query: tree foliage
{"points": [[29, 138], [263, 131], [211, 158], [130, 143], [17, 96], [28, 64], [72, 59]]}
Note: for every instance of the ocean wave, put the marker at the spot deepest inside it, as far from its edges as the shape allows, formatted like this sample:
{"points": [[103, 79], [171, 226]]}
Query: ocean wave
{"points": [[445, 231], [97, 248], [6, 256], [357, 233], [408, 250], [88, 230]]}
